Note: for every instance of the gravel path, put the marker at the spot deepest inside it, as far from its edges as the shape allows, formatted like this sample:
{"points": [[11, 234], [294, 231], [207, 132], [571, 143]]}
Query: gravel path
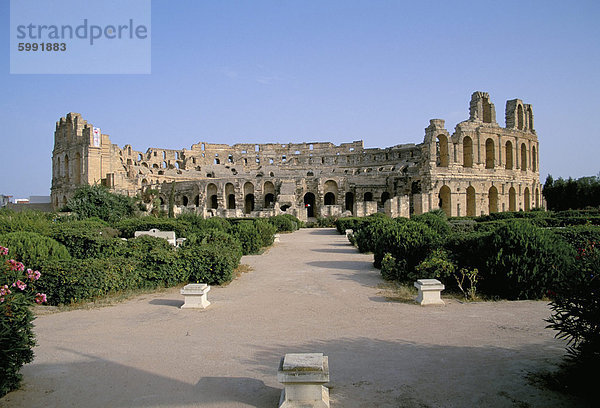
{"points": [[312, 292]]}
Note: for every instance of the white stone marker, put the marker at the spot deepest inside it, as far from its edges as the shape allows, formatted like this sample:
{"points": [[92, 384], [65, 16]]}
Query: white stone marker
{"points": [[195, 296], [276, 238], [429, 292], [303, 376]]}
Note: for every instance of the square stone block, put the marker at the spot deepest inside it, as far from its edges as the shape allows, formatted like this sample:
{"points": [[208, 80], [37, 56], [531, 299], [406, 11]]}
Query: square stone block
{"points": [[429, 292], [303, 376], [195, 296]]}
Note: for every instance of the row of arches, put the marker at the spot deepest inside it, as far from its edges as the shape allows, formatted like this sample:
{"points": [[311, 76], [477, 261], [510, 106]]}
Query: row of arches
{"points": [[443, 157], [445, 200]]}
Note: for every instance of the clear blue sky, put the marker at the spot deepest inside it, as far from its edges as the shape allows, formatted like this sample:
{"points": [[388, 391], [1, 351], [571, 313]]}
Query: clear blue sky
{"points": [[294, 71]]}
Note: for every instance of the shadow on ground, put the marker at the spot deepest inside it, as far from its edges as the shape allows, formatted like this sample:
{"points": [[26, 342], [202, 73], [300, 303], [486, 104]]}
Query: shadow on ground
{"points": [[167, 302]]}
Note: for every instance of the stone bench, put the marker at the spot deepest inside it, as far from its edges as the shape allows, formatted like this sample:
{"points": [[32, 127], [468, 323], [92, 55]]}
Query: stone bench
{"points": [[303, 376], [195, 296], [429, 292]]}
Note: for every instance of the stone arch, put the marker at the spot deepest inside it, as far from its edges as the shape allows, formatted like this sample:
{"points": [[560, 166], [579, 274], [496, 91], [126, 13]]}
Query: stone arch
{"points": [[533, 159], [467, 152], [184, 201], [490, 153], [520, 117], [349, 202], [248, 197], [230, 195], [309, 204], [493, 200], [384, 197], [331, 191], [530, 115], [471, 203], [211, 195], [537, 198], [77, 168], [57, 170], [197, 200], [67, 167], [442, 151], [487, 110], [329, 198], [368, 196], [512, 199], [523, 157], [508, 154], [445, 200], [64, 200], [526, 200], [269, 192]]}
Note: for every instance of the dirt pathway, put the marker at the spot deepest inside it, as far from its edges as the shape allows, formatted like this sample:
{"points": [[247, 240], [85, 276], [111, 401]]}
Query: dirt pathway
{"points": [[312, 292]]}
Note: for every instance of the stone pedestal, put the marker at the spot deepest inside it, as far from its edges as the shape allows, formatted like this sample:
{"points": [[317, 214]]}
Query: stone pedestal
{"points": [[195, 296], [303, 376], [429, 292], [276, 238]]}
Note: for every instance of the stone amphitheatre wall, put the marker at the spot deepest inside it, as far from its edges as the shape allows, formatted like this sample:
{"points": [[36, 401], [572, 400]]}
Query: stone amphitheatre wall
{"points": [[479, 168]]}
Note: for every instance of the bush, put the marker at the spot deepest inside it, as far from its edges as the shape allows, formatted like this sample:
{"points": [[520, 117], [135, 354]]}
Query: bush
{"points": [[33, 249], [299, 224], [436, 220], [217, 237], [370, 230], [283, 223], [266, 232], [524, 261], [576, 317], [98, 201], [248, 236], [437, 265], [77, 280], [17, 339], [326, 222], [88, 239], [26, 221], [409, 242], [210, 263], [579, 236], [156, 261], [353, 223], [129, 226], [195, 224]]}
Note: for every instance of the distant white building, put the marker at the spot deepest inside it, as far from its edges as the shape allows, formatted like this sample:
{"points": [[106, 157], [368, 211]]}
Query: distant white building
{"points": [[4, 200]]}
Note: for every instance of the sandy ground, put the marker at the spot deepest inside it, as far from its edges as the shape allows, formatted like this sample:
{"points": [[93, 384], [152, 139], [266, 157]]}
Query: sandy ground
{"points": [[312, 292]]}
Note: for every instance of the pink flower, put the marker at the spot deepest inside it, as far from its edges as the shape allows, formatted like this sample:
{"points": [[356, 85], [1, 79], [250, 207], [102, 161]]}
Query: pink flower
{"points": [[15, 266], [3, 250], [40, 298], [21, 285], [33, 275], [4, 290]]}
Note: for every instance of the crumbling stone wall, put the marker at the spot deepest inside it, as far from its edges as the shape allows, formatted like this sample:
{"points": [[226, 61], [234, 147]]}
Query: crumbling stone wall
{"points": [[479, 168]]}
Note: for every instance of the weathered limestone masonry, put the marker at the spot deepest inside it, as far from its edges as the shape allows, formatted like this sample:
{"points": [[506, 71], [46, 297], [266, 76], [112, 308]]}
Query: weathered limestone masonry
{"points": [[478, 169]]}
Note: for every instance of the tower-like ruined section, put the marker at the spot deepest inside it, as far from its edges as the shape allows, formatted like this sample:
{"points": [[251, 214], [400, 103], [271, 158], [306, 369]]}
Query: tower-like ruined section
{"points": [[479, 168]]}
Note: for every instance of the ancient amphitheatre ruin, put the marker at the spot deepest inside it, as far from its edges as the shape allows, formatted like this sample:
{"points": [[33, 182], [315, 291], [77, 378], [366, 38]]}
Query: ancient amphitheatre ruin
{"points": [[478, 169]]}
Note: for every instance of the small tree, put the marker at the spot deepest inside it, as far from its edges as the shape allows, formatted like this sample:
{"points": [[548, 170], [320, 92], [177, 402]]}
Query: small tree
{"points": [[98, 201]]}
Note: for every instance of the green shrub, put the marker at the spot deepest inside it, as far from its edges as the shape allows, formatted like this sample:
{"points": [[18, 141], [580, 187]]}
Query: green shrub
{"points": [[156, 261], [98, 201], [437, 265], [353, 223], [266, 231], [25, 221], [129, 226], [437, 221], [469, 249], [33, 249], [408, 241], [283, 223], [88, 239], [391, 268], [299, 224], [211, 263], [579, 236], [326, 222], [75, 280], [525, 261], [248, 236], [370, 230], [217, 237], [196, 223]]}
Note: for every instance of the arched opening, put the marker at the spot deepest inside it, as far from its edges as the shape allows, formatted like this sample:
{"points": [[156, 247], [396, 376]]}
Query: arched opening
{"points": [[217, 161], [67, 167], [197, 200], [526, 199], [384, 197], [57, 171], [471, 210], [349, 202], [331, 191], [184, 201], [329, 198], [523, 157], [368, 196], [487, 110], [211, 193], [77, 168], [520, 117], [442, 151], [512, 199], [161, 200], [269, 192], [467, 152], [493, 200], [248, 198], [533, 159], [64, 201], [537, 198], [489, 154], [445, 203], [530, 114], [230, 194], [309, 204], [509, 155]]}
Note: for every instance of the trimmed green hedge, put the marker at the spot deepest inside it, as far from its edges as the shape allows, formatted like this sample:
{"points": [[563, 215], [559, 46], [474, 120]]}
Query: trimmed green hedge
{"points": [[33, 249], [211, 263]]}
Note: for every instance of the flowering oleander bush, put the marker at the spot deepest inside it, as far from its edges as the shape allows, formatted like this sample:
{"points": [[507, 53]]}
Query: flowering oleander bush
{"points": [[17, 294]]}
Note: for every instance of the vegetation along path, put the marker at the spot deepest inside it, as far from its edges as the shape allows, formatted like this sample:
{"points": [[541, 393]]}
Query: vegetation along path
{"points": [[311, 292]]}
